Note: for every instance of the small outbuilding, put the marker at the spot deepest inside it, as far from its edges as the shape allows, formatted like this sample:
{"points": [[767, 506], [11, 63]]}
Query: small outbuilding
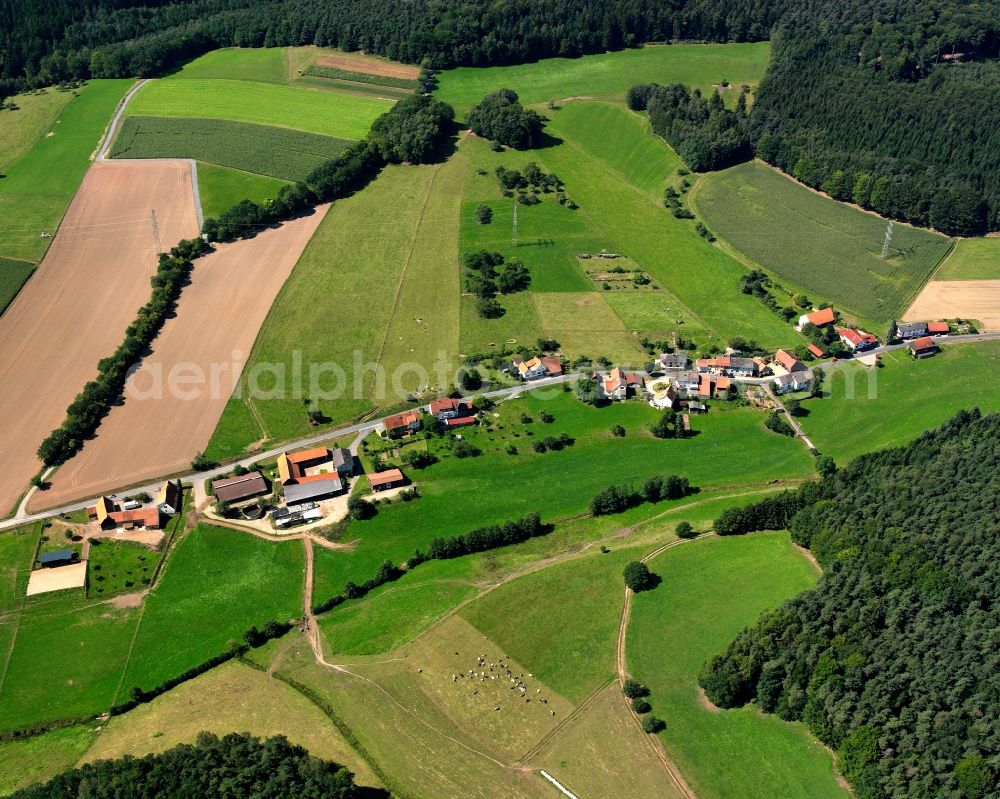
{"points": [[390, 478], [243, 486], [59, 557], [313, 490]]}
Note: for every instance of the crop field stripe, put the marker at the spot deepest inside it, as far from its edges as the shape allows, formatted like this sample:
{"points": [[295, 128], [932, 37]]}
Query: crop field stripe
{"points": [[361, 77]]}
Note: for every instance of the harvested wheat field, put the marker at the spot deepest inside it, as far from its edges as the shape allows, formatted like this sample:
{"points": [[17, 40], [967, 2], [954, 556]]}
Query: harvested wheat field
{"points": [[165, 422], [369, 65], [959, 299], [75, 308]]}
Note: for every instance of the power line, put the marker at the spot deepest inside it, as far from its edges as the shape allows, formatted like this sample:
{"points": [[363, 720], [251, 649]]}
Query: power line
{"points": [[887, 242], [514, 231]]}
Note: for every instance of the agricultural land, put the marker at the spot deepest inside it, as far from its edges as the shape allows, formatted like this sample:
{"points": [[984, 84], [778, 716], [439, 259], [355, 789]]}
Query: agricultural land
{"points": [[813, 244]]}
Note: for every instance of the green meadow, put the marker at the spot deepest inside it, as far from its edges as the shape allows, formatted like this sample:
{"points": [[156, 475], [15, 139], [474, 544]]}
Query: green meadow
{"points": [[826, 248], [37, 188], [27, 761], [868, 409], [17, 549], [506, 486], [119, 567], [609, 75], [337, 114], [972, 259], [217, 583], [710, 590], [13, 275], [260, 64], [221, 188], [35, 115]]}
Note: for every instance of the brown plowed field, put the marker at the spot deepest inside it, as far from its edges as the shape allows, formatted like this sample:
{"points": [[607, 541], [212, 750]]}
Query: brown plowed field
{"points": [[75, 309], [219, 314], [962, 299], [358, 62]]}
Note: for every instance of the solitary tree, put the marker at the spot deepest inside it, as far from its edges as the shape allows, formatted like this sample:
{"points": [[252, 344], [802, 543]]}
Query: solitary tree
{"points": [[685, 530], [638, 577]]}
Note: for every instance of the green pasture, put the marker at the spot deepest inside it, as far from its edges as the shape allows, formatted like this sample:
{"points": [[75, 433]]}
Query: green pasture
{"points": [[217, 583], [830, 250], [704, 280], [560, 622], [869, 409], [17, 549], [730, 447], [36, 189], [609, 75], [26, 761], [263, 149], [220, 188], [710, 590], [34, 118], [13, 275], [337, 114], [972, 259], [261, 64]]}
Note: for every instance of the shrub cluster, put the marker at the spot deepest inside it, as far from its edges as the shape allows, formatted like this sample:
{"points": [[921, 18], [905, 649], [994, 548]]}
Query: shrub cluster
{"points": [[619, 498], [84, 414], [482, 539], [386, 573], [501, 118]]}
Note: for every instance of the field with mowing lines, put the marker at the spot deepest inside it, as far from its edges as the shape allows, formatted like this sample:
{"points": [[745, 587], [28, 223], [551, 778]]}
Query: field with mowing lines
{"points": [[95, 279], [705, 279], [263, 149], [382, 260], [337, 114], [972, 259], [160, 427], [27, 761], [217, 584], [221, 188], [609, 74], [13, 275], [829, 249], [262, 64], [37, 188], [230, 698], [711, 590], [337, 74], [34, 118], [868, 409]]}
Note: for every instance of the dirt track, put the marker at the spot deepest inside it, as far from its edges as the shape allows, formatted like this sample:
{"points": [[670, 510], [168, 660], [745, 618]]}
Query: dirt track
{"points": [[965, 299], [75, 309], [220, 313]]}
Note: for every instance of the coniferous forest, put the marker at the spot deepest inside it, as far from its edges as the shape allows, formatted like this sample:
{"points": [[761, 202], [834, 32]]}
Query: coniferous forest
{"points": [[894, 658]]}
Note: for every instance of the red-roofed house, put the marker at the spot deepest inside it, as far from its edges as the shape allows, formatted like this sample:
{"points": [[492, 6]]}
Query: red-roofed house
{"points": [[618, 384], [110, 516], [820, 318], [459, 421], [402, 424], [923, 347], [788, 361], [938, 328], [390, 478], [857, 340], [448, 408], [816, 351]]}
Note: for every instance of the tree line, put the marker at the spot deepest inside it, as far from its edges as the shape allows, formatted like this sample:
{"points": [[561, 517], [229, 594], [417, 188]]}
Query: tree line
{"points": [[232, 767], [891, 659]]}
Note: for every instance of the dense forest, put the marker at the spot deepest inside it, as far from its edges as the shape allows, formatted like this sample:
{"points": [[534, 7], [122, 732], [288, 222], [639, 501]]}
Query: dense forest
{"points": [[890, 104], [233, 767], [894, 658]]}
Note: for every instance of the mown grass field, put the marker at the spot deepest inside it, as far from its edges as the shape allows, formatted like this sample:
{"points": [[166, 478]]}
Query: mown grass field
{"points": [[830, 250], [33, 119], [262, 64], [221, 188], [608, 74], [380, 261], [711, 589], [337, 114], [972, 259], [217, 584], [17, 548], [870, 409], [703, 278], [36, 189], [26, 761], [231, 698], [13, 275], [263, 149], [731, 447]]}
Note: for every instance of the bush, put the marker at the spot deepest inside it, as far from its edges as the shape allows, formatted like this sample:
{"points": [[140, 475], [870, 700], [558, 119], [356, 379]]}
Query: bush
{"points": [[483, 538], [669, 425], [685, 530], [463, 449], [634, 689], [777, 423], [419, 458], [652, 725], [638, 577], [360, 509], [640, 705], [500, 117], [614, 499], [617, 431]]}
